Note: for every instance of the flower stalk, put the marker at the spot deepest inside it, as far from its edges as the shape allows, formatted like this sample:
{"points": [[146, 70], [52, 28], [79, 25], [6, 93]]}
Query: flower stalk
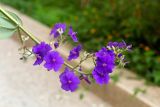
{"points": [[105, 59], [20, 27]]}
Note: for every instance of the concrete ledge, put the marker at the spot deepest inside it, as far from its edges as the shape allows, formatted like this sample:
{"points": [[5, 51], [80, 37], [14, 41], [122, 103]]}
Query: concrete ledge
{"points": [[119, 94]]}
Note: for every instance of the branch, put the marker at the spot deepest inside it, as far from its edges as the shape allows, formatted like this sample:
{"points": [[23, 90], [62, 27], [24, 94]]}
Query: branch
{"points": [[36, 40]]}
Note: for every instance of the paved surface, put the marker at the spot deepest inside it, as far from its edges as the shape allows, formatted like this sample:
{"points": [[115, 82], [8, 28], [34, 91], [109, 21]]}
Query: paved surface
{"points": [[23, 85]]}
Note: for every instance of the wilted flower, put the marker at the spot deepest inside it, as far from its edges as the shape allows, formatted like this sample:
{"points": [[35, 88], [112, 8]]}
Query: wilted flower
{"points": [[58, 29], [56, 44], [53, 61], [74, 53], [72, 34], [69, 81], [40, 50], [85, 77]]}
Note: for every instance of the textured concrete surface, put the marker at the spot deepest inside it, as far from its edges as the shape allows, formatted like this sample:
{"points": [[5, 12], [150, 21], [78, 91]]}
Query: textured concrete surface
{"points": [[23, 85]]}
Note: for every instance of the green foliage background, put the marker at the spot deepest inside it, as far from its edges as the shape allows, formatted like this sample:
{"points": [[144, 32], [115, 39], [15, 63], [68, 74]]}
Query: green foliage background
{"points": [[99, 21]]}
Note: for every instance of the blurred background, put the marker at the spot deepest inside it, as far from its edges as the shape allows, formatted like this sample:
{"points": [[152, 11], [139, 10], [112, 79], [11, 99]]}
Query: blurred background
{"points": [[99, 21]]}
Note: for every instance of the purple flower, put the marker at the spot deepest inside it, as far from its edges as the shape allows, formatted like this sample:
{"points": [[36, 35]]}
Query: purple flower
{"points": [[101, 77], [58, 29], [72, 34], [69, 81], [53, 61], [122, 44], [56, 44], [104, 52], [103, 64], [74, 53], [40, 50], [105, 60], [120, 55]]}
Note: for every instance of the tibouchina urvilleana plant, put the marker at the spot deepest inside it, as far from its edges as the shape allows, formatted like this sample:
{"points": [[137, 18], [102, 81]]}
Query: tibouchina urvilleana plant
{"points": [[47, 55]]}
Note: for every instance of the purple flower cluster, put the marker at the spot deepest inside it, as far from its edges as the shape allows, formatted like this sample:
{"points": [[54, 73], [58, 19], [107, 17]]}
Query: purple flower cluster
{"points": [[69, 81], [105, 62], [119, 45], [54, 61], [52, 58], [105, 59], [119, 48], [40, 51]]}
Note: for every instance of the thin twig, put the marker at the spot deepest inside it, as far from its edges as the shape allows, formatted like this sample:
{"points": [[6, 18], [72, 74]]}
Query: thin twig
{"points": [[20, 36]]}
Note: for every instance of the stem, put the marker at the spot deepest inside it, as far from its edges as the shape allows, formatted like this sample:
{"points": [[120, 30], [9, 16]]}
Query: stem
{"points": [[68, 65], [20, 36], [36, 40], [82, 60]]}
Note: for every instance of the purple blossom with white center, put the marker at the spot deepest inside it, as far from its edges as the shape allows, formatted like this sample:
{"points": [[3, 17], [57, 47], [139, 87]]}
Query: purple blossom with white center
{"points": [[53, 61], [58, 29], [105, 60], [74, 53], [40, 50], [69, 81], [101, 77], [72, 34]]}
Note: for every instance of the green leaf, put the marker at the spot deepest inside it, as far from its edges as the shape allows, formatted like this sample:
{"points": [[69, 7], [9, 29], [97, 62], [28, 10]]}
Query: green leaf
{"points": [[6, 33], [15, 17], [5, 23], [7, 27]]}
